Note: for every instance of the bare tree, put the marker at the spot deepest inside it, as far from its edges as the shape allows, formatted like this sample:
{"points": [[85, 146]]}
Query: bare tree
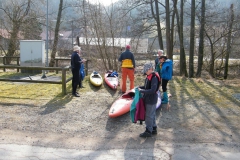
{"points": [[56, 33], [103, 29], [216, 32], [201, 40], [183, 66], [31, 28], [157, 19], [192, 40], [168, 30], [229, 39], [16, 12]]}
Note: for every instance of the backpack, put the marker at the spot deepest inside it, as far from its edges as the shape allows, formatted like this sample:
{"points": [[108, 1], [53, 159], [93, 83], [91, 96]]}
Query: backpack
{"points": [[82, 72]]}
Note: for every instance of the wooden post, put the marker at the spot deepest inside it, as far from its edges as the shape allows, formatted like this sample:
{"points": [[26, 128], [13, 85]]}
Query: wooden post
{"points": [[18, 63], [64, 88], [86, 68], [4, 69], [56, 65]]}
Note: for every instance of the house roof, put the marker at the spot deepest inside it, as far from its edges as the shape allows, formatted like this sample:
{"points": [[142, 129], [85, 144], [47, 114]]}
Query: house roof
{"points": [[5, 34], [140, 45], [62, 34]]}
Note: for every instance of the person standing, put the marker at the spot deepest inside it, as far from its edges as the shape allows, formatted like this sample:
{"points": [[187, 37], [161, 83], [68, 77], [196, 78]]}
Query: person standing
{"points": [[127, 67], [160, 53], [150, 97], [164, 69], [75, 65]]}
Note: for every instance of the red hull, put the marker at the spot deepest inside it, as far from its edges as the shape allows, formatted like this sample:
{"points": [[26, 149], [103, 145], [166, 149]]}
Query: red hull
{"points": [[122, 105], [112, 82]]}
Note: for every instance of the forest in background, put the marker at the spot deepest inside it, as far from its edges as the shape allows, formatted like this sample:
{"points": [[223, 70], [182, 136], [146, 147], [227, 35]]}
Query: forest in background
{"points": [[203, 34]]}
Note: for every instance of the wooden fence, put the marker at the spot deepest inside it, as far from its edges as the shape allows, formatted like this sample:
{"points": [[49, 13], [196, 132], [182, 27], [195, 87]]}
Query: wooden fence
{"points": [[63, 81], [57, 59], [10, 57]]}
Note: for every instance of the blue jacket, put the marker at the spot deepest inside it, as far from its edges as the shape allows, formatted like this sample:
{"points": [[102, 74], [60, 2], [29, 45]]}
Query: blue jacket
{"points": [[165, 69]]}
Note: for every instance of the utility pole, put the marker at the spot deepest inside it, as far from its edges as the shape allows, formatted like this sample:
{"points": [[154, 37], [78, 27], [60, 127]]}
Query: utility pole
{"points": [[72, 34], [46, 65]]}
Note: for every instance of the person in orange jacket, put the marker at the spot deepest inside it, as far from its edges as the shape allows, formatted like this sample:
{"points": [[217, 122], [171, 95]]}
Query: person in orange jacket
{"points": [[128, 68]]}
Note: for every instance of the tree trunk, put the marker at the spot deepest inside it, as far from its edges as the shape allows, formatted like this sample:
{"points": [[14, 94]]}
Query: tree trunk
{"points": [[201, 41], [229, 39], [55, 43], [192, 40], [159, 30], [212, 60], [168, 30], [212, 55], [17, 19], [172, 35], [183, 69], [12, 42]]}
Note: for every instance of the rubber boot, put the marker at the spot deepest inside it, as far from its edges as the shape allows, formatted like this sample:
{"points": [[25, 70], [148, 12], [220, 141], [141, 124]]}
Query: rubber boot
{"points": [[154, 130], [165, 98]]}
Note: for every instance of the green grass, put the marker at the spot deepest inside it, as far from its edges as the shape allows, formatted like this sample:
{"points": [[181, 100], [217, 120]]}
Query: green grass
{"points": [[17, 90], [216, 92]]}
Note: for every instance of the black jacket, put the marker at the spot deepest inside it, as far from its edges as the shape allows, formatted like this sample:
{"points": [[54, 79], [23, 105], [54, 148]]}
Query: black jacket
{"points": [[75, 61], [150, 89]]}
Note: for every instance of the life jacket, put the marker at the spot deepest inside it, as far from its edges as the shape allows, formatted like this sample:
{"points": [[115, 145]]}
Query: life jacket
{"points": [[127, 63], [149, 77]]}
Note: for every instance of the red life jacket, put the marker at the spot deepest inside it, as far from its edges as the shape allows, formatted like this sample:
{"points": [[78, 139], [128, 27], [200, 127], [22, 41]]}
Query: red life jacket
{"points": [[150, 76]]}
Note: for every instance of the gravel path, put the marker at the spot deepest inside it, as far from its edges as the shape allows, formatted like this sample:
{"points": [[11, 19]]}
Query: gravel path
{"points": [[83, 123]]}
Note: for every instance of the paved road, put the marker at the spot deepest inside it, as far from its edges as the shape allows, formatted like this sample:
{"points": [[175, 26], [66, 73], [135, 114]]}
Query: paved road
{"points": [[174, 152]]}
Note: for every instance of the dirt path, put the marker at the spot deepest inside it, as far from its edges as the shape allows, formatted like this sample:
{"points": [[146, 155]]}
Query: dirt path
{"points": [[83, 123]]}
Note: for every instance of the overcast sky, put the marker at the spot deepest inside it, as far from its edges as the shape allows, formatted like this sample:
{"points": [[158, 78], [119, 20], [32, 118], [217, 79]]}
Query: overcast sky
{"points": [[104, 2]]}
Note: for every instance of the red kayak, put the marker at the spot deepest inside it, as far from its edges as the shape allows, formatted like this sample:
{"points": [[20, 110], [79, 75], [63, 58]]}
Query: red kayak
{"points": [[122, 105], [111, 80]]}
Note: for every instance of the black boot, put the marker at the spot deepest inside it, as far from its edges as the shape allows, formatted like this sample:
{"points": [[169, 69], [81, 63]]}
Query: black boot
{"points": [[154, 130], [145, 134]]}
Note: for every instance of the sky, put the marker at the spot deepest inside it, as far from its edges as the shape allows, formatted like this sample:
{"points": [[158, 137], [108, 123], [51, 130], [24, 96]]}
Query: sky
{"points": [[104, 2]]}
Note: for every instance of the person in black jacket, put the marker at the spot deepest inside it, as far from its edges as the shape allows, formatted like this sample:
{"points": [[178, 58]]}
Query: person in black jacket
{"points": [[150, 96], [75, 65]]}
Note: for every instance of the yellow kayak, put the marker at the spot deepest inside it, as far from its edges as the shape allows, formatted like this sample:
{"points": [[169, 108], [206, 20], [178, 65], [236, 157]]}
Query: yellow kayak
{"points": [[96, 79]]}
